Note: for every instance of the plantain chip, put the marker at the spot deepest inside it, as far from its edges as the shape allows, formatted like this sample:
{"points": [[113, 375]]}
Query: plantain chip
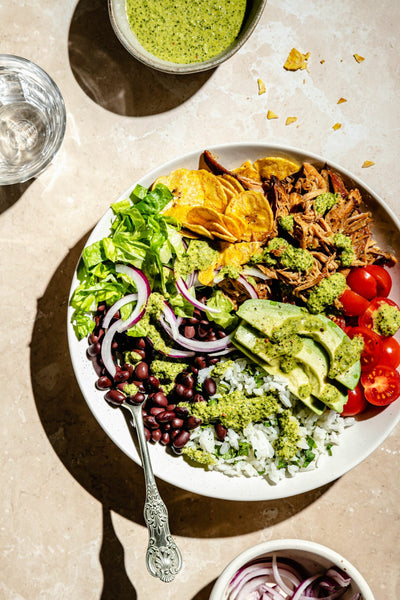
{"points": [[275, 165], [200, 230], [192, 188], [254, 209], [247, 170], [238, 254]]}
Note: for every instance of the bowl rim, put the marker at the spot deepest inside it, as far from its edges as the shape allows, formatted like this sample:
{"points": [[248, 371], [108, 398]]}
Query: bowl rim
{"points": [[150, 60], [218, 591], [212, 484]]}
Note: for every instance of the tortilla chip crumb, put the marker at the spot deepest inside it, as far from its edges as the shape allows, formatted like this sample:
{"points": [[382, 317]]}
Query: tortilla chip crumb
{"points": [[367, 163], [296, 60], [341, 100], [290, 120], [271, 115], [336, 126], [358, 58], [261, 87]]}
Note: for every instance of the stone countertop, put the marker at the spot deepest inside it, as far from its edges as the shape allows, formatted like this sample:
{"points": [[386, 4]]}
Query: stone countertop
{"points": [[71, 523]]}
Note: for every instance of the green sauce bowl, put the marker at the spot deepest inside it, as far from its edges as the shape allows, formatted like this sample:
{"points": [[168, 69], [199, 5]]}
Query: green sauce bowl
{"points": [[123, 31]]}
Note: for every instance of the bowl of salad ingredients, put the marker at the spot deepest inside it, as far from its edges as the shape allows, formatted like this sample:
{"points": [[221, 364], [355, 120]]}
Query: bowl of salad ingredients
{"points": [[290, 569], [183, 36], [247, 296]]}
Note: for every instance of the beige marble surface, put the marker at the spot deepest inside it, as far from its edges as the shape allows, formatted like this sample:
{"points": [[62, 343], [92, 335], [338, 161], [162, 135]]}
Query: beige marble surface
{"points": [[71, 522]]}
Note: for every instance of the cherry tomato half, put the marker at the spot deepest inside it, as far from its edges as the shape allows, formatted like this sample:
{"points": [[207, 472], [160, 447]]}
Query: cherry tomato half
{"points": [[371, 353], [362, 282], [356, 402], [390, 352], [383, 279], [381, 385], [339, 320], [353, 304], [366, 318]]}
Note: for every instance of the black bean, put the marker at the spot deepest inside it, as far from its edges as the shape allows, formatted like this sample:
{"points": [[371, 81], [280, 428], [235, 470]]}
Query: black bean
{"points": [[177, 423], [192, 321], [150, 422], [103, 382], [156, 435], [181, 439], [96, 336], [200, 362], [142, 370], [187, 380], [209, 387], [165, 439], [198, 398], [181, 411], [213, 361], [115, 397], [121, 376], [139, 385], [147, 434], [179, 390], [192, 422], [137, 398], [94, 349], [220, 431], [187, 394], [156, 410], [189, 332], [153, 382], [160, 399], [165, 416]]}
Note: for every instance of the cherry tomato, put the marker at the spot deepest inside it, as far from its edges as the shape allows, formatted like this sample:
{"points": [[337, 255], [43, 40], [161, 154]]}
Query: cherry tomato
{"points": [[366, 318], [371, 353], [356, 402], [339, 320], [381, 385], [353, 304], [383, 279], [390, 352], [362, 282]]}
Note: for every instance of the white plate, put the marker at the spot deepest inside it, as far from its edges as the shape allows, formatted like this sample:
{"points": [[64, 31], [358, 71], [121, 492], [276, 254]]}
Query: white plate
{"points": [[357, 442]]}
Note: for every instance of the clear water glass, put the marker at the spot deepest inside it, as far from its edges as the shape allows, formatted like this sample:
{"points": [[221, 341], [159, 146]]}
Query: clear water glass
{"points": [[32, 119]]}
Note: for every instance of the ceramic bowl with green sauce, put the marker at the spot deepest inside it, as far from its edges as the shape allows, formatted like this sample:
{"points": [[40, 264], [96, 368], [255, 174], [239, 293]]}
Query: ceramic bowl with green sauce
{"points": [[184, 36]]}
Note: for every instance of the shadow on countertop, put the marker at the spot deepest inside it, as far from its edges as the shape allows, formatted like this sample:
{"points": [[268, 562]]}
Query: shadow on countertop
{"points": [[111, 77], [10, 194], [96, 462]]}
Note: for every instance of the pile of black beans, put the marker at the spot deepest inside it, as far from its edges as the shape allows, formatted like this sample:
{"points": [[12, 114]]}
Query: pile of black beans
{"points": [[164, 420]]}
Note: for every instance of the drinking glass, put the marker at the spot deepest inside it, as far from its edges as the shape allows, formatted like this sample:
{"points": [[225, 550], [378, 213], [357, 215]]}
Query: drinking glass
{"points": [[32, 119]]}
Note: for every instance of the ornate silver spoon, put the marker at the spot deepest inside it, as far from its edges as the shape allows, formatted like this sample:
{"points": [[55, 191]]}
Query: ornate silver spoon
{"points": [[163, 558]]}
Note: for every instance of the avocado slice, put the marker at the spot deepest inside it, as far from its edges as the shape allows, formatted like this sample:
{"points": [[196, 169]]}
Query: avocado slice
{"points": [[313, 361], [267, 316], [294, 380]]}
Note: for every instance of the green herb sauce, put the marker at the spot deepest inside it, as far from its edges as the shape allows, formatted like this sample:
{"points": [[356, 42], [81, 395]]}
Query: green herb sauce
{"points": [[185, 31]]}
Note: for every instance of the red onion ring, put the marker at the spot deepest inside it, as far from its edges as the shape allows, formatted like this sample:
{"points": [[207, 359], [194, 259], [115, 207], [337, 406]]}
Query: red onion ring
{"points": [[195, 345], [115, 307], [184, 290]]}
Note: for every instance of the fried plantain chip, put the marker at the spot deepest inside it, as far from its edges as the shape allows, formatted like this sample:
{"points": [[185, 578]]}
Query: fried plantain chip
{"points": [[296, 60], [254, 209], [275, 165], [192, 188], [238, 254], [247, 170], [199, 229]]}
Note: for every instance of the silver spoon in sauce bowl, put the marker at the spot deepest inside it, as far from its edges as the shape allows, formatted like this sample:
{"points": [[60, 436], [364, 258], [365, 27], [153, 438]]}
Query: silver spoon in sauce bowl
{"points": [[163, 558]]}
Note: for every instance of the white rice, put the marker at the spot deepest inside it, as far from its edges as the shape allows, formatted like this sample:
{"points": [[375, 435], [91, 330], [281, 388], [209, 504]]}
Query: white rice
{"points": [[319, 434]]}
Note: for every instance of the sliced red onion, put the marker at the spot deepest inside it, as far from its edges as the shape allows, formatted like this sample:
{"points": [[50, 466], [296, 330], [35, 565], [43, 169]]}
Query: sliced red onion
{"points": [[281, 579], [115, 307], [171, 320], [196, 345], [251, 290], [222, 352], [175, 353], [254, 272], [184, 290], [143, 293], [106, 350]]}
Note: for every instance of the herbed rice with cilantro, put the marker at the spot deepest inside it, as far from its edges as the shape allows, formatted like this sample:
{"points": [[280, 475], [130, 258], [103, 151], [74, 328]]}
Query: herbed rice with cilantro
{"points": [[255, 450]]}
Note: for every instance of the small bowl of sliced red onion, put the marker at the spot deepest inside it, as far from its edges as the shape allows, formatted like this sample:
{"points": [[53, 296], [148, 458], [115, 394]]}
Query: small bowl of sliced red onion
{"points": [[290, 569]]}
